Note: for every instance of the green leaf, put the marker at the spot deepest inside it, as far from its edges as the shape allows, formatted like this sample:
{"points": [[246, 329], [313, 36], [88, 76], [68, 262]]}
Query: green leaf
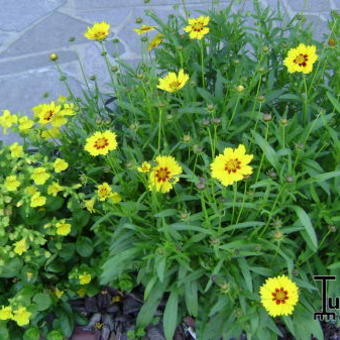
{"points": [[335, 265], [43, 301], [84, 246], [4, 335], [246, 273], [166, 213], [31, 333], [268, 151], [334, 101], [170, 316], [11, 268], [160, 268], [191, 298], [55, 335]]}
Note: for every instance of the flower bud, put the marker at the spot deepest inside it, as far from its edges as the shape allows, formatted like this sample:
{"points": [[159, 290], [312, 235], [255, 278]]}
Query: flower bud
{"points": [[54, 57], [278, 235], [261, 99], [284, 121], [267, 117], [331, 42], [93, 78], [139, 20], [290, 179], [186, 138], [210, 107]]}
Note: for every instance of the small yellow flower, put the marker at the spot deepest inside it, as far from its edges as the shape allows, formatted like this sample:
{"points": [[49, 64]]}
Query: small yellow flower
{"points": [[37, 200], [16, 150], [279, 295], [157, 40], [98, 31], [81, 292], [165, 174], [12, 183], [40, 176], [63, 228], [22, 316], [301, 59], [197, 27], [115, 197], [31, 190], [25, 123], [60, 165], [145, 167], [103, 191], [144, 29], [85, 278], [231, 166], [50, 133], [58, 293], [89, 205], [7, 120], [46, 113], [173, 82], [20, 247], [54, 188], [6, 313], [100, 143]]}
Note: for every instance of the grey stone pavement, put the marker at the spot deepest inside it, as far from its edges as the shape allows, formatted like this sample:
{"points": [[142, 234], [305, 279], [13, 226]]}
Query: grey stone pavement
{"points": [[31, 29]]}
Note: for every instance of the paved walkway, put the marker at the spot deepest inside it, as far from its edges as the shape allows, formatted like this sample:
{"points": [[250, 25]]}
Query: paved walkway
{"points": [[31, 29]]}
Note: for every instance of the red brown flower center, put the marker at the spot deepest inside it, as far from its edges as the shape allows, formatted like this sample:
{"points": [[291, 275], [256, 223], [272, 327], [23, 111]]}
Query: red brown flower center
{"points": [[48, 115], [280, 296], [100, 35], [197, 26], [232, 165], [301, 60], [101, 143], [175, 84], [162, 174]]}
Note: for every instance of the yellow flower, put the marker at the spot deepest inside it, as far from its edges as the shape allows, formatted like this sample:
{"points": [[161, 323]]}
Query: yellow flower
{"points": [[37, 200], [164, 175], [89, 204], [145, 167], [63, 228], [279, 295], [155, 41], [58, 293], [20, 247], [7, 120], [22, 316], [173, 82], [301, 59], [31, 190], [231, 166], [115, 197], [54, 188], [81, 292], [25, 123], [85, 278], [100, 143], [60, 165], [98, 31], [197, 27], [51, 133], [11, 183], [16, 150], [103, 191], [6, 313], [46, 113], [144, 29], [68, 109], [40, 175]]}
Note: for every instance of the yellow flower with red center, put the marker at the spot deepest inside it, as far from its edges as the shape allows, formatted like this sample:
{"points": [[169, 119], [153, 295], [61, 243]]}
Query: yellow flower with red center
{"points": [[47, 113], [37, 200], [21, 316], [173, 82], [20, 247], [12, 183], [16, 150], [145, 167], [7, 120], [63, 228], [157, 40], [103, 191], [98, 31], [60, 165], [54, 188], [197, 27], [144, 29], [232, 165], [6, 313], [165, 174], [301, 59], [100, 143], [40, 175], [279, 295], [85, 278], [25, 123]]}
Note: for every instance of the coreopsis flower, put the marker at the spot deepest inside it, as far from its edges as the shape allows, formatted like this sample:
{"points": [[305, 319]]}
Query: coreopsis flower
{"points": [[157, 40], [63, 228], [11, 183], [40, 175], [7, 120], [301, 59], [20, 247], [165, 174], [47, 113], [197, 27], [103, 191], [21, 316], [37, 200], [50, 133], [16, 150], [98, 31], [279, 295], [84, 278], [145, 167], [144, 29], [25, 123], [115, 197], [173, 82], [6, 313], [54, 188], [231, 166], [100, 143], [60, 165], [89, 205]]}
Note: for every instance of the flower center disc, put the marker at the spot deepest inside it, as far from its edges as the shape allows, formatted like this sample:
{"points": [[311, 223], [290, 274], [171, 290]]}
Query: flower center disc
{"points": [[197, 27], [99, 35], [101, 143], [301, 60], [175, 85], [280, 296], [49, 115], [162, 174], [232, 165]]}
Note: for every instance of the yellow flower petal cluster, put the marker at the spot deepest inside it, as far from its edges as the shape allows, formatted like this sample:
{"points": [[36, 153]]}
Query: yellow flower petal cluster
{"points": [[60, 165], [144, 168], [54, 188], [40, 175], [144, 29], [197, 27], [21, 316], [89, 205], [100, 143], [279, 295], [12, 183], [58, 293], [7, 120], [84, 278], [16, 150], [115, 197], [173, 82], [6, 313], [49, 113], [63, 228], [25, 123], [98, 31], [157, 40], [164, 175], [231, 166], [20, 247], [103, 191], [37, 200], [301, 59]]}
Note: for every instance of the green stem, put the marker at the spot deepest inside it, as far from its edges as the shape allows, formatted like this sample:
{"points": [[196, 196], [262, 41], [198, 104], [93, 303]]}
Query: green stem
{"points": [[305, 102], [202, 64]]}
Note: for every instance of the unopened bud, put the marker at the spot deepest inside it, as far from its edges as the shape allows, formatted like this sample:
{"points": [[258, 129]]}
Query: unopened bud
{"points": [[139, 20], [267, 117], [240, 88], [54, 57]]}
